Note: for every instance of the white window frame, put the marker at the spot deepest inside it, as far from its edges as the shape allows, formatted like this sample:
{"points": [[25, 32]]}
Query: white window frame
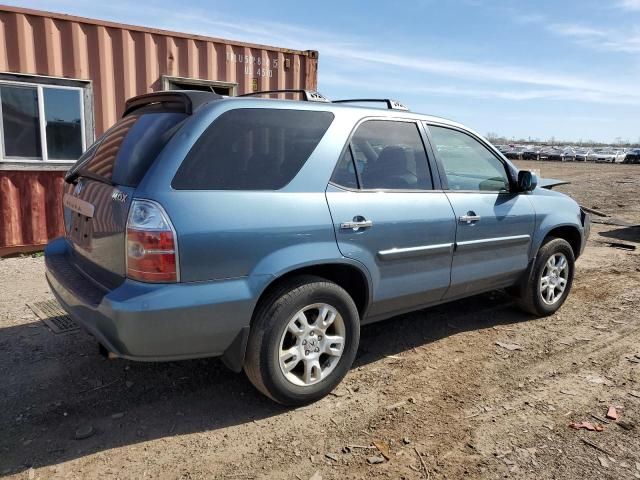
{"points": [[168, 81], [43, 123]]}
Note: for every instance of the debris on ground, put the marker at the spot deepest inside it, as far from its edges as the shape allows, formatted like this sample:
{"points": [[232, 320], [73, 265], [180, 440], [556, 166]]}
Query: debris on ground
{"points": [[509, 346], [622, 246], [603, 462], [375, 459], [331, 456], [316, 476], [626, 425], [393, 406], [84, 431], [593, 211], [587, 426], [612, 413], [573, 393], [383, 448]]}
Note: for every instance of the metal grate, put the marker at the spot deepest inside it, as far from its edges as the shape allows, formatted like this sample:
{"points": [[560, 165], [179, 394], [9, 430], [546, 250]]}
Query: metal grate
{"points": [[53, 316]]}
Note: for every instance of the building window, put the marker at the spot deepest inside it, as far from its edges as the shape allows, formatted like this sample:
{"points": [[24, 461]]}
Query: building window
{"points": [[184, 83], [41, 122]]}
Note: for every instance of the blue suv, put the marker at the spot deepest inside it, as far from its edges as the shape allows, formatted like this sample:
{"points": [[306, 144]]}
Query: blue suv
{"points": [[267, 231]]}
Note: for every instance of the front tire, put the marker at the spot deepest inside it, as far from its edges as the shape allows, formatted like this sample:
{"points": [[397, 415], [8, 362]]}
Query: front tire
{"points": [[303, 341], [550, 279]]}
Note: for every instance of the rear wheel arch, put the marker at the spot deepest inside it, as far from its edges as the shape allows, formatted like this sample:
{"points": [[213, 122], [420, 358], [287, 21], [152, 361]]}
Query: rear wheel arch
{"points": [[351, 278]]}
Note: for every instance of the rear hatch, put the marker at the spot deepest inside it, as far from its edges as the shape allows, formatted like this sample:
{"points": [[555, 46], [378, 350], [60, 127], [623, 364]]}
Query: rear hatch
{"points": [[101, 185]]}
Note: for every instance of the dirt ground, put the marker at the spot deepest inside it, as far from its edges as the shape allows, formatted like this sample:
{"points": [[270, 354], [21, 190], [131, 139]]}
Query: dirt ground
{"points": [[432, 389]]}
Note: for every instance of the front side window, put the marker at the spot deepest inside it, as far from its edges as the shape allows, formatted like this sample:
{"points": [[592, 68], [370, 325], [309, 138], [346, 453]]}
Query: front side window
{"points": [[468, 164], [252, 149], [388, 155], [41, 122]]}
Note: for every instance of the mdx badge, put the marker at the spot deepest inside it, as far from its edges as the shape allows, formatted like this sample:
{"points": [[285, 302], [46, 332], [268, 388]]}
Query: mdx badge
{"points": [[118, 196]]}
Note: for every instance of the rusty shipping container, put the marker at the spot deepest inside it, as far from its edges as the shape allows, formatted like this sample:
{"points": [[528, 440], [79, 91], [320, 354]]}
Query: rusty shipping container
{"points": [[44, 55]]}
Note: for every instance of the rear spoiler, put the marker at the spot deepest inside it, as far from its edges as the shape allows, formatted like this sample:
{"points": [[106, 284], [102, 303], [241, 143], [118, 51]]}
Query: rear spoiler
{"points": [[549, 183], [186, 101]]}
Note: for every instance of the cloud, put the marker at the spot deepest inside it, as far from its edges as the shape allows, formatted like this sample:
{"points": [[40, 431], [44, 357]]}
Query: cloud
{"points": [[629, 4], [625, 40], [341, 52], [511, 94]]}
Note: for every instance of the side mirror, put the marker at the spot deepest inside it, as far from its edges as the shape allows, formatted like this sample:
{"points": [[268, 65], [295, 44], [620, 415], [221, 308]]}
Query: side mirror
{"points": [[527, 181]]}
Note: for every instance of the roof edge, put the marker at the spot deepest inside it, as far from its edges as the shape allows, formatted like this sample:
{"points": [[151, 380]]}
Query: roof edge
{"points": [[157, 31]]}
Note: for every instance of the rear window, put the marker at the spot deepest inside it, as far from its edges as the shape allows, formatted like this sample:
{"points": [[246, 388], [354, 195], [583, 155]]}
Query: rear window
{"points": [[127, 150], [252, 149]]}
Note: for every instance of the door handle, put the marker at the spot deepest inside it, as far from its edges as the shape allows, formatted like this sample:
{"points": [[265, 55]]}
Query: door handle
{"points": [[469, 218], [356, 224]]}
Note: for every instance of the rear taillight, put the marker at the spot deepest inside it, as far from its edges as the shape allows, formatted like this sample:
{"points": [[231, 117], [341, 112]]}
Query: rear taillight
{"points": [[152, 249]]}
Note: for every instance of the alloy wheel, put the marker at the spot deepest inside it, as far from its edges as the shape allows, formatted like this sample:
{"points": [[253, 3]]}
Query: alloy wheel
{"points": [[554, 278], [312, 344]]}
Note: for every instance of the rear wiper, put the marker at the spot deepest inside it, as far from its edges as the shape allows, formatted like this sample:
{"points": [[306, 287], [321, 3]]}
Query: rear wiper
{"points": [[72, 175]]}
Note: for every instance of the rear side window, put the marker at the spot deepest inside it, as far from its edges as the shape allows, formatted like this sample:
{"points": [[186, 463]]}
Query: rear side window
{"points": [[252, 149], [126, 151]]}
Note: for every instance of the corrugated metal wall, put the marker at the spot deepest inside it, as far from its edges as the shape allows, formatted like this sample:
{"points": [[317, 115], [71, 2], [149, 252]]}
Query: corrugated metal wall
{"points": [[30, 209], [121, 62]]}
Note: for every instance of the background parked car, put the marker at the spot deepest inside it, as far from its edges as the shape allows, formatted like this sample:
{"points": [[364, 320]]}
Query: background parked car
{"points": [[531, 153], [551, 153], [568, 154], [621, 153], [515, 153], [606, 156], [582, 154], [593, 155], [632, 156]]}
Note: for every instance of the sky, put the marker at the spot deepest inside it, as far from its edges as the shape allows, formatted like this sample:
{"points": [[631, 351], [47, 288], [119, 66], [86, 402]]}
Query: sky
{"points": [[523, 69]]}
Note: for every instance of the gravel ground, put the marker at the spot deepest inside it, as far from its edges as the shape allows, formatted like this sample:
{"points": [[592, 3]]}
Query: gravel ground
{"points": [[431, 391]]}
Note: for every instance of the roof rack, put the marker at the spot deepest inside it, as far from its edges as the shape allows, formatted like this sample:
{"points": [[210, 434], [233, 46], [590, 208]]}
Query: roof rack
{"points": [[391, 104], [307, 95]]}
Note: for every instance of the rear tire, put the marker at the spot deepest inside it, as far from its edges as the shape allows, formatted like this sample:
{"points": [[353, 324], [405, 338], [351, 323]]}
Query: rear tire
{"points": [[550, 278], [303, 341]]}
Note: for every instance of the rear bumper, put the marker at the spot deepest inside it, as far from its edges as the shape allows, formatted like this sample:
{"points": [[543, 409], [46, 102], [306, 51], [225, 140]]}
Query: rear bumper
{"points": [[153, 322]]}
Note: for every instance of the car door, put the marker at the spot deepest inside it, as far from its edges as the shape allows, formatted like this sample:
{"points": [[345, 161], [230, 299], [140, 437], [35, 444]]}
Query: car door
{"points": [[388, 216], [494, 224]]}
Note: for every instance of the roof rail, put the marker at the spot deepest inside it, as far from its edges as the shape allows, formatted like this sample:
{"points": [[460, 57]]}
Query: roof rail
{"points": [[391, 104], [307, 95]]}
